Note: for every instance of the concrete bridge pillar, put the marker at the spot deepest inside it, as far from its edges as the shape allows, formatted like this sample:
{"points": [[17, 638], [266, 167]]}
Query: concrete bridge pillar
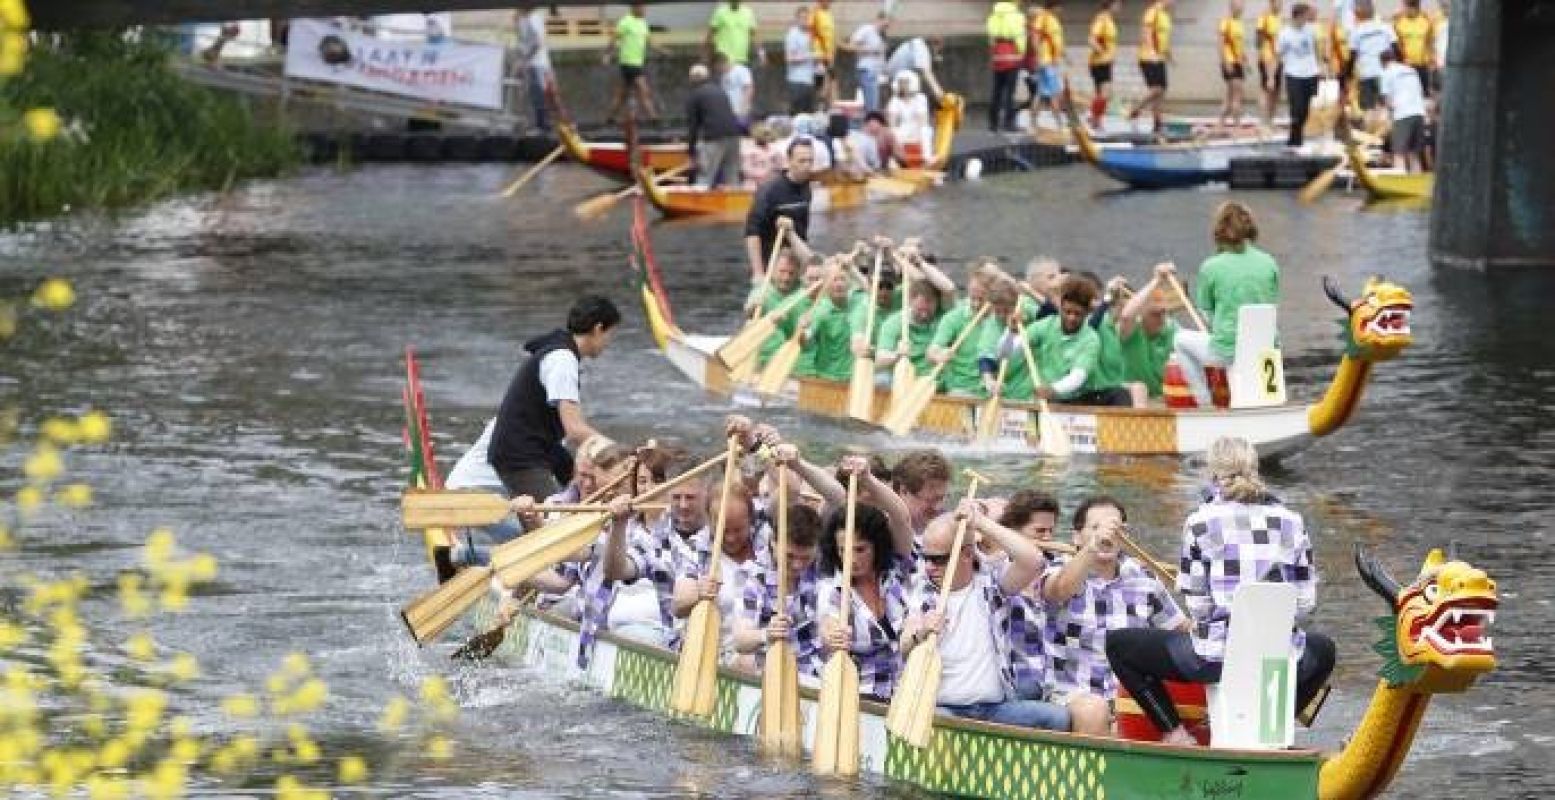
{"points": [[1495, 187]]}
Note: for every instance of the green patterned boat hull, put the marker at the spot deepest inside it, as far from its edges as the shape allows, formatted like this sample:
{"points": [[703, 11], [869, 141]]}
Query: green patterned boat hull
{"points": [[964, 759]]}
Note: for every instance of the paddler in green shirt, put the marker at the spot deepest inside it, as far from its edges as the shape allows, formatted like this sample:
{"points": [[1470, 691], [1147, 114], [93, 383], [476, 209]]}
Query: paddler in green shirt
{"points": [[1067, 351], [1103, 319], [922, 314], [1238, 274], [766, 297], [960, 376], [998, 343], [886, 303], [1147, 332], [829, 330]]}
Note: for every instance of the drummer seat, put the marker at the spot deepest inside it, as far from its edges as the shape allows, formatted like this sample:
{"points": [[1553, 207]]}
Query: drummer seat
{"points": [[1257, 372]]}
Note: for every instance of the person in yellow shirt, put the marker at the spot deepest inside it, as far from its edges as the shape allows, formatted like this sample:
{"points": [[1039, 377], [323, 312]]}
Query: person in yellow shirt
{"points": [[823, 40], [1270, 74], [1414, 30], [1233, 63], [1104, 50], [1007, 51], [1046, 44], [1155, 52]]}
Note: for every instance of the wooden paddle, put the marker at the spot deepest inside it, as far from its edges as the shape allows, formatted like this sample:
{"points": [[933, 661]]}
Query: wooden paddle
{"points": [[782, 363], [988, 419], [836, 750], [906, 410], [861, 389], [597, 206], [744, 372], [430, 614], [1166, 574], [896, 188], [696, 673], [902, 374], [513, 187], [1052, 439], [779, 733], [1183, 296], [911, 716], [462, 509], [747, 343]]}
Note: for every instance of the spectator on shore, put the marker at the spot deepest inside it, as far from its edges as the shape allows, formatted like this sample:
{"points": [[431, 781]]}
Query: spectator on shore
{"points": [[1006, 27], [732, 31], [823, 40], [1298, 53], [867, 44], [1406, 106], [799, 61], [1045, 54], [1233, 63], [629, 43], [1267, 33], [1155, 52], [532, 62], [740, 85], [1104, 50], [713, 132], [1369, 39]]}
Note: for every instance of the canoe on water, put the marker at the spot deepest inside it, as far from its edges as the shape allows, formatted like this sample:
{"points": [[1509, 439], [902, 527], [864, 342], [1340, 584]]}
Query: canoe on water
{"points": [[612, 159], [1435, 639], [1171, 166], [1389, 186]]}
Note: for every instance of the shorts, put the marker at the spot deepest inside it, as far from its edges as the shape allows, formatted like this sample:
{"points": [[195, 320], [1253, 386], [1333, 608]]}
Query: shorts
{"points": [[1408, 136], [1050, 84], [1155, 73], [1269, 79], [1101, 73], [1370, 92], [1232, 72], [629, 74], [1111, 396]]}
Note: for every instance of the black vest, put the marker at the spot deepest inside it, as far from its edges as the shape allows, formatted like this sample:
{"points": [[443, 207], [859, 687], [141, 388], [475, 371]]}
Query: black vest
{"points": [[529, 429]]}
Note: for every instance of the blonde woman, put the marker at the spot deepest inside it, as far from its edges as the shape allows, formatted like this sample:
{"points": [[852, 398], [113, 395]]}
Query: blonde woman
{"points": [[1241, 532]]}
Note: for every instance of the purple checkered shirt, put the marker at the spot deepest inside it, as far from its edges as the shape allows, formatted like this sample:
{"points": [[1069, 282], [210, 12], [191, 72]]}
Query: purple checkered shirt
{"points": [[1225, 543], [1076, 635], [761, 603], [875, 648]]}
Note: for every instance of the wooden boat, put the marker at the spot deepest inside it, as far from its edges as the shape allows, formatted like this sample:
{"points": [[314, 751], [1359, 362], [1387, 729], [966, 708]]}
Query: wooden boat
{"points": [[1170, 166], [611, 159], [830, 193], [1416, 186]]}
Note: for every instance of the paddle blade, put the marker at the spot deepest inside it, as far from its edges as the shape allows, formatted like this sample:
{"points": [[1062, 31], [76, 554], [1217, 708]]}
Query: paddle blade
{"points": [[437, 509], [836, 731], [779, 734], [911, 716], [1318, 186], [861, 390], [902, 378], [696, 672], [988, 420], [1053, 437], [892, 187], [429, 615], [744, 345], [537, 551], [596, 207], [910, 407], [743, 373], [482, 645], [779, 367]]}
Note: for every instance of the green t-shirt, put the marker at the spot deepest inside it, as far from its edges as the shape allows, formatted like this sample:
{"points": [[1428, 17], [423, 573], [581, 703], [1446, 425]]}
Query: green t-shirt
{"points": [[960, 375], [1058, 353], [918, 339], [1228, 281], [786, 323], [1144, 356], [831, 338], [631, 41], [1017, 379], [1109, 362], [858, 317], [732, 29]]}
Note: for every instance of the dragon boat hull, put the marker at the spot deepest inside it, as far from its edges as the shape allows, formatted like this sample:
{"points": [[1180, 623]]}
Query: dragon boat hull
{"points": [[1276, 431], [964, 758], [612, 159], [1174, 167], [1383, 186], [692, 201]]}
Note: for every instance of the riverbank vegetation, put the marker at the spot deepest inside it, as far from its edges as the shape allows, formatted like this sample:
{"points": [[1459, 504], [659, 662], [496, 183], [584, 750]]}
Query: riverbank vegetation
{"points": [[130, 130]]}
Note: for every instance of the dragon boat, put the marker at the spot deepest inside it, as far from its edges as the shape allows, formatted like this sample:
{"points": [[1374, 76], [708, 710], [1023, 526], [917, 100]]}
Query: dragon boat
{"points": [[1389, 186], [1169, 166], [831, 191], [1434, 640], [613, 159]]}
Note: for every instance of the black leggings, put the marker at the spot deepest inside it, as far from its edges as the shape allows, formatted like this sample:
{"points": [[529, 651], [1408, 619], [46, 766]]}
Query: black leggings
{"points": [[1300, 91], [1001, 108], [1144, 657]]}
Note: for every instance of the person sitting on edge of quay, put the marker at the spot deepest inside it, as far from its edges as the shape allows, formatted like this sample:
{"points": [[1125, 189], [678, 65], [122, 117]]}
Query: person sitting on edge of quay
{"points": [[1238, 274], [542, 410], [785, 196], [1240, 533], [1155, 52], [713, 130]]}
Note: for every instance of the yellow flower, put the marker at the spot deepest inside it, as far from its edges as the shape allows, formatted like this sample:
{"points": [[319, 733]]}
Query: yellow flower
{"points": [[62, 430], [13, 53], [141, 647], [6, 541], [185, 751], [94, 427], [241, 705], [132, 600], [159, 547], [394, 714], [352, 770], [76, 495], [143, 710], [54, 294], [44, 464], [308, 697], [183, 668], [42, 123], [11, 635], [296, 665], [28, 499], [115, 754], [434, 688], [202, 568], [13, 15], [439, 748], [102, 787]]}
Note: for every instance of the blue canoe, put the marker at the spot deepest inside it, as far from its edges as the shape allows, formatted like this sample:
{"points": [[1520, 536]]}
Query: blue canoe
{"points": [[1169, 166]]}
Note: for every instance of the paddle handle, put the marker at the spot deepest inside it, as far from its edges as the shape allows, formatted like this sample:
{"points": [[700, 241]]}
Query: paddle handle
{"points": [[669, 485], [1162, 571], [766, 277], [901, 338], [1183, 296], [782, 533], [845, 607], [715, 556], [1031, 365], [513, 187], [584, 508], [874, 302], [955, 547]]}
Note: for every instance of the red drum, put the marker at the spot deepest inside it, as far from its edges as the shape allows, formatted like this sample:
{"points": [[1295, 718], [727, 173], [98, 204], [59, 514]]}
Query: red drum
{"points": [[1192, 708]]}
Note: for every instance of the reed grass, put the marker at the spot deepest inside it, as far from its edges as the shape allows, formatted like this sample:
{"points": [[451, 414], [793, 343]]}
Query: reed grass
{"points": [[134, 131]]}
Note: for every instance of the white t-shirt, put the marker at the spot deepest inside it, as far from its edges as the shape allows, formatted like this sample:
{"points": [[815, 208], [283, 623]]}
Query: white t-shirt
{"points": [[1401, 85], [798, 56], [871, 47], [968, 651], [1368, 41], [909, 119], [1345, 11], [911, 54], [1298, 52], [559, 376], [472, 470], [736, 83], [635, 604], [531, 34]]}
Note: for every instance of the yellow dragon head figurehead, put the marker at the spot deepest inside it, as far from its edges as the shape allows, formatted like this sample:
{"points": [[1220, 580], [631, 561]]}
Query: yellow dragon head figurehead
{"points": [[1437, 639], [1377, 326]]}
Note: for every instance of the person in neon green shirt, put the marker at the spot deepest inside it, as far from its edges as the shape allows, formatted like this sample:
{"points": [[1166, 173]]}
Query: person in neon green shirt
{"points": [[1103, 319], [886, 302], [1068, 351], [1238, 274], [732, 31], [1147, 333], [829, 330], [960, 376], [629, 43], [765, 298], [998, 344], [922, 316]]}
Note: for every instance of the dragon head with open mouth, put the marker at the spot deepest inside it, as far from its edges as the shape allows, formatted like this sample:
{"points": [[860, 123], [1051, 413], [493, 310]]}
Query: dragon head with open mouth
{"points": [[1377, 325], [1437, 639]]}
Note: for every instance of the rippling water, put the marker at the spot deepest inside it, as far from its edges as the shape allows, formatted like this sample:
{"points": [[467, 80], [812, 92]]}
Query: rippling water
{"points": [[248, 347]]}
